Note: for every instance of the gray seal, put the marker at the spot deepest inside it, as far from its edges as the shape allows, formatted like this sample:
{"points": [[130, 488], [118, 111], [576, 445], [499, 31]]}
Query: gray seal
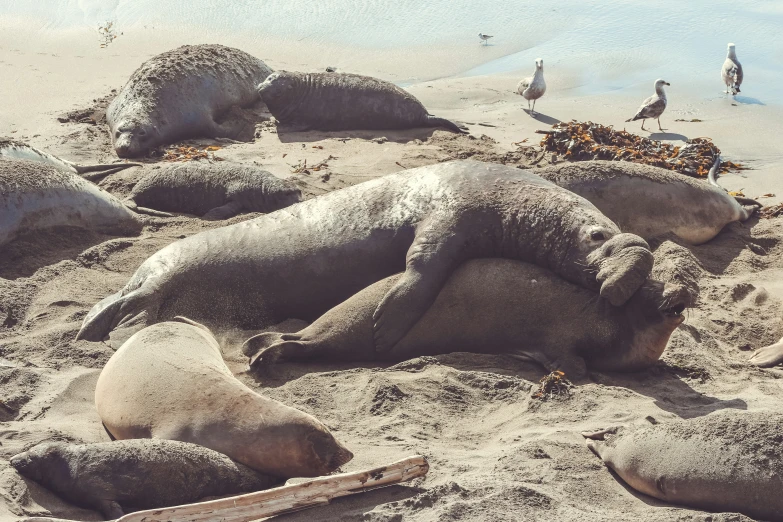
{"points": [[727, 461], [212, 190], [341, 101], [36, 195], [497, 306], [650, 201], [303, 260], [131, 475], [183, 93]]}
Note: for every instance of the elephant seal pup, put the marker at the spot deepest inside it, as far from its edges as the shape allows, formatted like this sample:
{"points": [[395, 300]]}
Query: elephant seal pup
{"points": [[498, 306], [650, 201], [131, 475], [338, 101], [35, 195], [11, 149], [169, 381], [213, 190], [727, 461], [180, 94], [303, 260]]}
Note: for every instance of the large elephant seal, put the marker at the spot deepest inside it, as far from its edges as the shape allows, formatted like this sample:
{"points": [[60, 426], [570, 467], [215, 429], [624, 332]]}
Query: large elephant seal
{"points": [[338, 101], [722, 462], [131, 475], [180, 94], [35, 196], [303, 260], [650, 201], [169, 381], [213, 190], [497, 306], [11, 149]]}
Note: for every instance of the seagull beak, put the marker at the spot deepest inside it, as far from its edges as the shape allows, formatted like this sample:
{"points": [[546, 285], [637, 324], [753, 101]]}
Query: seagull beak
{"points": [[669, 84]]}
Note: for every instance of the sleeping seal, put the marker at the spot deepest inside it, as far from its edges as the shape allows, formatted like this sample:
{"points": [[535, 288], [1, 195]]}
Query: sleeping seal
{"points": [[650, 201], [212, 190], [180, 94], [10, 149], [728, 461], [303, 260], [338, 101], [169, 381], [132, 475], [35, 195], [498, 306]]}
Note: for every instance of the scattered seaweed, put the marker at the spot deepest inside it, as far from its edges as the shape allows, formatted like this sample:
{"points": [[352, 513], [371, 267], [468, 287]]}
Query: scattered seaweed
{"points": [[302, 168], [190, 153], [771, 212], [107, 34], [553, 385]]}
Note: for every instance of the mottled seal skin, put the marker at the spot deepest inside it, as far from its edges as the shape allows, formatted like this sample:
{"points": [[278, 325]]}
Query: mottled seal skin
{"points": [[729, 461], [180, 94], [36, 195], [213, 190], [303, 260], [11, 149], [650, 201], [497, 306], [339, 101], [169, 381], [131, 475]]}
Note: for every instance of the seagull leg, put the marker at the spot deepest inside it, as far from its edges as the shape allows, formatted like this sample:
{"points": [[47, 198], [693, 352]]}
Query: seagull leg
{"points": [[643, 120], [528, 106], [534, 107], [659, 125]]}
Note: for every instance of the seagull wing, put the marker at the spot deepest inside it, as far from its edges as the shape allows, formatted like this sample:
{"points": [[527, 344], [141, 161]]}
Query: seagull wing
{"points": [[652, 107], [524, 84]]}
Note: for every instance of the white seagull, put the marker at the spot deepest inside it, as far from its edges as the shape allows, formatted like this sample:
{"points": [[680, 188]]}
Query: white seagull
{"points": [[653, 106], [485, 37], [731, 73], [534, 87]]}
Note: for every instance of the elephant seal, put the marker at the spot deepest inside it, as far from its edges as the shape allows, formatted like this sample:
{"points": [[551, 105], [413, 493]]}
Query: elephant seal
{"points": [[180, 94], [303, 260], [212, 190], [340, 101], [11, 149], [650, 201], [497, 306], [132, 475], [721, 462], [169, 381], [35, 195]]}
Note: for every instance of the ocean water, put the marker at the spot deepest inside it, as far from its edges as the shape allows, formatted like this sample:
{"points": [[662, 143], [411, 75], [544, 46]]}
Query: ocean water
{"points": [[593, 46]]}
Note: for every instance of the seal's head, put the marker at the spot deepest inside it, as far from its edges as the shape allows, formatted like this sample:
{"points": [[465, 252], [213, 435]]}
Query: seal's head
{"points": [[309, 448], [133, 138], [277, 87], [42, 463]]}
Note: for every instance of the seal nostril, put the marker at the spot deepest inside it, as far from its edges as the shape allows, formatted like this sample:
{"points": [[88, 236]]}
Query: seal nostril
{"points": [[675, 311]]}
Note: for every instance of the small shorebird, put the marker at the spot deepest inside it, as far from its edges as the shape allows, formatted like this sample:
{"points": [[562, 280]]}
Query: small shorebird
{"points": [[731, 73], [485, 37], [653, 106], [532, 88]]}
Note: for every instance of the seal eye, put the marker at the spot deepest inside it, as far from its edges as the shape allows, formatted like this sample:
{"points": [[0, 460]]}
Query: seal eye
{"points": [[142, 132], [597, 235]]}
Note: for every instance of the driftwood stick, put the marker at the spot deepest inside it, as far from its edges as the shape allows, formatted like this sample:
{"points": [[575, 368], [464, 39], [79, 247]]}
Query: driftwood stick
{"points": [[285, 499]]}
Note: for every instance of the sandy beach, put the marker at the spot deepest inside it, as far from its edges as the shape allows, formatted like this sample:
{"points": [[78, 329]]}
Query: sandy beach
{"points": [[495, 452]]}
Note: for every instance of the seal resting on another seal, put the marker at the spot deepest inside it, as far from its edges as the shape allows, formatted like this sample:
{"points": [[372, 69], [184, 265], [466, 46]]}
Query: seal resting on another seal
{"points": [[303, 260], [212, 190], [340, 101], [11, 149], [650, 201], [132, 475], [169, 381], [720, 462], [183, 93], [497, 306], [35, 196]]}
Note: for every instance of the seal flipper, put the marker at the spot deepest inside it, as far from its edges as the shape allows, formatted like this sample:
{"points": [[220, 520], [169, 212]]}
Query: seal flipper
{"points": [[230, 209], [112, 311], [433, 121], [144, 210], [111, 509], [271, 347]]}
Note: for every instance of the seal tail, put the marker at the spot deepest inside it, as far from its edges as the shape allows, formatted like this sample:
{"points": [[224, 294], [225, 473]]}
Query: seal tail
{"points": [[110, 312], [433, 121], [712, 175], [102, 169], [144, 210], [749, 205]]}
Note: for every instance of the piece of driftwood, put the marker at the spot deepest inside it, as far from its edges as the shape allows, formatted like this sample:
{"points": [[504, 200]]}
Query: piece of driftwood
{"points": [[285, 499]]}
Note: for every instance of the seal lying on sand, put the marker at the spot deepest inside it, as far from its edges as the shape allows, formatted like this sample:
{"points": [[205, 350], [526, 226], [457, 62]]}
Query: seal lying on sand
{"points": [[10, 149], [131, 475], [650, 201], [36, 195], [183, 93], [212, 190], [169, 381], [338, 101], [303, 260], [722, 462], [498, 306]]}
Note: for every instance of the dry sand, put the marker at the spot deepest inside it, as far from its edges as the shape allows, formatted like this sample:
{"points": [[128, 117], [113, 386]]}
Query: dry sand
{"points": [[495, 452]]}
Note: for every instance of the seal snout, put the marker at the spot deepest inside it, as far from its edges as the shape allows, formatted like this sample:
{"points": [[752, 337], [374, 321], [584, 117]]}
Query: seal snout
{"points": [[23, 463], [674, 301]]}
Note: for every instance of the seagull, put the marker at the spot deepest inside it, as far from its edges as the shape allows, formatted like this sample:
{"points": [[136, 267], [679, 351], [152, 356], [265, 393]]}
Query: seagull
{"points": [[532, 88], [653, 106], [731, 71], [485, 37]]}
